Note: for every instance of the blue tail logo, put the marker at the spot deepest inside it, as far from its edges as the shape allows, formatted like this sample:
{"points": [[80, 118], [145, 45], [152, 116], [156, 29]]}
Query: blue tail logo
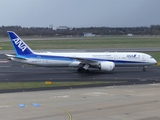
{"points": [[18, 44]]}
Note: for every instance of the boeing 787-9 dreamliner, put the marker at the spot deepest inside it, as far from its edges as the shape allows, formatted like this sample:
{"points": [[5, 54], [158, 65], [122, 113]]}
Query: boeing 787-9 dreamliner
{"points": [[103, 61]]}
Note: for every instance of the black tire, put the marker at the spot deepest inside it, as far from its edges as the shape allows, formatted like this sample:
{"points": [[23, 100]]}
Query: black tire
{"points": [[86, 71], [81, 70], [144, 69]]}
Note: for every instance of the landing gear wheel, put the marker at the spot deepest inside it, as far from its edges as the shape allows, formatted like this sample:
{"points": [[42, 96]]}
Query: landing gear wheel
{"points": [[86, 71], [81, 70], [144, 69]]}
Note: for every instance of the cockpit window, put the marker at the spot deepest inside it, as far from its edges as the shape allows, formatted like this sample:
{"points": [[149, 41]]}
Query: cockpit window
{"points": [[151, 57]]}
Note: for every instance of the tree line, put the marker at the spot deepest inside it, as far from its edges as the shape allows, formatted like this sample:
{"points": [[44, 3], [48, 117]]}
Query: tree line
{"points": [[102, 31]]}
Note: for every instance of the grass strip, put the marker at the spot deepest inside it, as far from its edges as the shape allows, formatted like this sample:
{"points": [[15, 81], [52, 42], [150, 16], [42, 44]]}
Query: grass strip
{"points": [[25, 85], [154, 54], [83, 43]]}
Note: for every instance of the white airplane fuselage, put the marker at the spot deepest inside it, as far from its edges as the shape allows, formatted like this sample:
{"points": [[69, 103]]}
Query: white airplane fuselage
{"points": [[125, 59]]}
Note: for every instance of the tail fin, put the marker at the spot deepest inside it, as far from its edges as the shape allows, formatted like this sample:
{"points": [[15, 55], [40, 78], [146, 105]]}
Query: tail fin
{"points": [[18, 44]]}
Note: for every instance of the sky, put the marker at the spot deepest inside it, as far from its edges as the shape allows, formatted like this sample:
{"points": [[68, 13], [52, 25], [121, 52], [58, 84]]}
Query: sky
{"points": [[80, 13]]}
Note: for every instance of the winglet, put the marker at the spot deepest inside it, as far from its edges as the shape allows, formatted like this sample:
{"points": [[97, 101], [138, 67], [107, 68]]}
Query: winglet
{"points": [[20, 47]]}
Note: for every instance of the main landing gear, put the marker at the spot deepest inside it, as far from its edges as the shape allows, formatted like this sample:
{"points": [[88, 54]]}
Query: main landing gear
{"points": [[82, 70]]}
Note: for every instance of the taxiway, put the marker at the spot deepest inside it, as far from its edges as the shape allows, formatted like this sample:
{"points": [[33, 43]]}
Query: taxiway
{"points": [[136, 102]]}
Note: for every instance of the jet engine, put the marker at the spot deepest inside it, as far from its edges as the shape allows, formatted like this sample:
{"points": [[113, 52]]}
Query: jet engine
{"points": [[107, 66]]}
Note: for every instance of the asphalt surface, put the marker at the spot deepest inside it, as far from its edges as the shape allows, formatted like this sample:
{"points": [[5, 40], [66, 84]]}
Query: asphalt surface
{"points": [[12, 72]]}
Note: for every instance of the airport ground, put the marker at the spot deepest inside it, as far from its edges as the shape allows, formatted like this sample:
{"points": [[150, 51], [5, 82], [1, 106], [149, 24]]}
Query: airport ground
{"points": [[11, 72], [137, 98], [135, 102]]}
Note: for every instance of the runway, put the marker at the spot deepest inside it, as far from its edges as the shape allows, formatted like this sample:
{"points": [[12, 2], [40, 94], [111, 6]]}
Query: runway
{"points": [[12, 71]]}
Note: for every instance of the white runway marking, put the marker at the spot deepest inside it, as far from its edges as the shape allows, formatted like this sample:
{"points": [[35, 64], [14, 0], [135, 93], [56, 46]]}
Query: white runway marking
{"points": [[65, 96], [129, 90], [5, 106], [95, 94], [4, 61]]}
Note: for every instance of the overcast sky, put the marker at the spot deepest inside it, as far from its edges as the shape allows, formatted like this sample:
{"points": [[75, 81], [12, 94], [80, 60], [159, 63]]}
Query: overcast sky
{"points": [[79, 13]]}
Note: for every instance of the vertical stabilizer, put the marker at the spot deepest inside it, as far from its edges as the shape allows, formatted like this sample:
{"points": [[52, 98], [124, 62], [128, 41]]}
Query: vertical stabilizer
{"points": [[20, 47]]}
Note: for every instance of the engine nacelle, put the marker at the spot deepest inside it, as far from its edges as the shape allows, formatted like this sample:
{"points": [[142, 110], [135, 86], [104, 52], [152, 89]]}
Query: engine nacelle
{"points": [[107, 66]]}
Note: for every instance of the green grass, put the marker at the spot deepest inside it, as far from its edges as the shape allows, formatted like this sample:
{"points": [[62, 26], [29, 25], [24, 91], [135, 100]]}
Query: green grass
{"points": [[155, 54], [89, 43], [25, 85]]}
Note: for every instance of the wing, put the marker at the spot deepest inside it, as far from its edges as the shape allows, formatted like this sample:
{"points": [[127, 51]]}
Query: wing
{"points": [[85, 60]]}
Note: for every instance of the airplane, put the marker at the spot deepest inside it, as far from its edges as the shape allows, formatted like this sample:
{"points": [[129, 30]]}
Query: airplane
{"points": [[103, 61]]}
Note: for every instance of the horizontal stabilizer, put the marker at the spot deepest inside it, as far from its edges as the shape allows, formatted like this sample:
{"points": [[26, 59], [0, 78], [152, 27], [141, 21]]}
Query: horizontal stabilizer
{"points": [[13, 56], [8, 55]]}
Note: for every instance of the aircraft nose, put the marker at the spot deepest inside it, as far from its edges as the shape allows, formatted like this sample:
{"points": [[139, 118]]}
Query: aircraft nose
{"points": [[154, 61]]}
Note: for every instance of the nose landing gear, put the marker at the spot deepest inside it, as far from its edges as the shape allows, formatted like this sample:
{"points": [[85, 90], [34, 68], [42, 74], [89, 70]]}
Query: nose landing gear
{"points": [[144, 68]]}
